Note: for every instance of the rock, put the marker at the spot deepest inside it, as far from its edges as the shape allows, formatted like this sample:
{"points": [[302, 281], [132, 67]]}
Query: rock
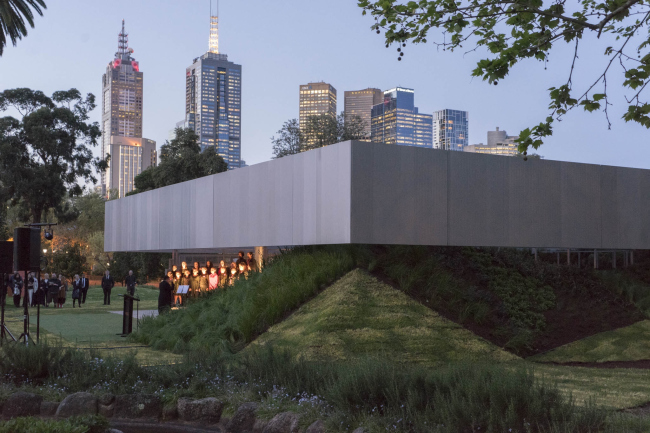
{"points": [[359, 430], [170, 413], [137, 406], [317, 427], [22, 404], [79, 403], [48, 408], [243, 420], [112, 430], [206, 410], [106, 410], [259, 426], [106, 399], [285, 422]]}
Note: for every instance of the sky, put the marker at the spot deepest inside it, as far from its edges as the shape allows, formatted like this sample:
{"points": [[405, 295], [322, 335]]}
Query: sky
{"points": [[282, 44]]}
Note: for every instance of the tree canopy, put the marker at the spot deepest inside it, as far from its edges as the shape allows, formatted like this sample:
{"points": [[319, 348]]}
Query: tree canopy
{"points": [[46, 153], [181, 160], [13, 14], [319, 130], [511, 31]]}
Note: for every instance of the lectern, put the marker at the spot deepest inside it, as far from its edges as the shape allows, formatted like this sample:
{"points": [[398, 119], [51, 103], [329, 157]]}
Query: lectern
{"points": [[127, 319]]}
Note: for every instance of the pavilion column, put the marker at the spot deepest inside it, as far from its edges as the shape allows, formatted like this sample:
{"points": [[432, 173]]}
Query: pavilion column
{"points": [[260, 254]]}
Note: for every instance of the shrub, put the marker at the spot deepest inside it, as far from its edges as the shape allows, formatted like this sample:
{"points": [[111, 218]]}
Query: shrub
{"points": [[84, 424]]}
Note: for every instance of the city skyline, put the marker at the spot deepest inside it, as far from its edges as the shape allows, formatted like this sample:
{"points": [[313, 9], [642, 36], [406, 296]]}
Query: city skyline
{"points": [[277, 61]]}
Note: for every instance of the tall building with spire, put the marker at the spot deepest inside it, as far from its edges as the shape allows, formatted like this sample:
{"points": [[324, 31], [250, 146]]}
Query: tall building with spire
{"points": [[122, 140], [213, 100]]}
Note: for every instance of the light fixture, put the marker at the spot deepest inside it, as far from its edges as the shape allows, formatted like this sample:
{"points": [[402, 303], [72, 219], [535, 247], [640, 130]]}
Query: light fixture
{"points": [[44, 251]]}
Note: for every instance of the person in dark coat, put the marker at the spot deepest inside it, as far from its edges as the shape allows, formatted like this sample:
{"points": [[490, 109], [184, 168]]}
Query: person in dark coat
{"points": [[76, 291], [17, 286], [164, 295], [195, 284], [43, 288], [240, 259], [107, 285], [252, 263], [204, 282], [85, 284], [130, 283], [53, 287]]}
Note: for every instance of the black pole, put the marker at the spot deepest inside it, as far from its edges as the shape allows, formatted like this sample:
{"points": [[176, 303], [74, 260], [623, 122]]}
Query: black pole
{"points": [[3, 299], [38, 308]]}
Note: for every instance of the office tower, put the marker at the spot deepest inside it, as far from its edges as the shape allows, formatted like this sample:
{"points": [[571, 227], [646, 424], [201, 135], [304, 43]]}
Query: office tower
{"points": [[498, 143], [450, 129], [360, 103], [130, 154], [397, 120], [316, 99], [213, 101]]}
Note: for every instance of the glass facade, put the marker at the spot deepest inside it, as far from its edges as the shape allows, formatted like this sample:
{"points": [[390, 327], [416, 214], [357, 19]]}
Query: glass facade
{"points": [[397, 120], [450, 130], [359, 103], [213, 105]]}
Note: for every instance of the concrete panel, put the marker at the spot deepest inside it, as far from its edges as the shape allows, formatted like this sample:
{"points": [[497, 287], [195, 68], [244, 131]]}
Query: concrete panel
{"points": [[633, 187], [478, 199], [534, 196], [399, 195], [580, 206]]}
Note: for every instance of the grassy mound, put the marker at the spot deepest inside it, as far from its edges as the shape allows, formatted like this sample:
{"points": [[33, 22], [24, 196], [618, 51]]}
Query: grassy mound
{"points": [[506, 297], [359, 316], [229, 319], [631, 343]]}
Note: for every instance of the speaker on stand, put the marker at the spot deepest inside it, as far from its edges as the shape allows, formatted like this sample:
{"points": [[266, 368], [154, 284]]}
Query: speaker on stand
{"points": [[27, 258]]}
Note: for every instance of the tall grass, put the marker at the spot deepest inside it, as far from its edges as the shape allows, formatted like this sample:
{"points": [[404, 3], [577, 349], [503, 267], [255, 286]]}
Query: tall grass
{"points": [[228, 319], [378, 394]]}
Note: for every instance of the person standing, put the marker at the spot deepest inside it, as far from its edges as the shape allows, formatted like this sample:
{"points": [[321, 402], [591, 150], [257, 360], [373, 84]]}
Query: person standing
{"points": [[240, 259], [195, 284], [32, 285], [130, 283], [76, 290], [252, 263], [204, 281], [17, 285], [164, 295], [53, 290], [107, 285], [44, 288], [63, 290], [213, 279], [223, 272], [85, 284]]}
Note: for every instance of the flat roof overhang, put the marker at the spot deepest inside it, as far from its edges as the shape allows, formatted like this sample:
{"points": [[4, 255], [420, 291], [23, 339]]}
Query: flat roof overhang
{"points": [[370, 193]]}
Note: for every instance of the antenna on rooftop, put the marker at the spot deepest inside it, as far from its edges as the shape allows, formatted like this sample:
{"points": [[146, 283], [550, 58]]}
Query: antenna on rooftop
{"points": [[214, 30]]}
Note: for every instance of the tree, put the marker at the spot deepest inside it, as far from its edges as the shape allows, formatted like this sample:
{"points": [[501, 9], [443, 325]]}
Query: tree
{"points": [[13, 14], [45, 154], [319, 130], [515, 30], [180, 160], [69, 260]]}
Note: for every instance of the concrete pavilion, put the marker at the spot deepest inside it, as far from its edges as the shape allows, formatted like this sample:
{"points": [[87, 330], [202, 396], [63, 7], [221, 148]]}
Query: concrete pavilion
{"points": [[358, 192]]}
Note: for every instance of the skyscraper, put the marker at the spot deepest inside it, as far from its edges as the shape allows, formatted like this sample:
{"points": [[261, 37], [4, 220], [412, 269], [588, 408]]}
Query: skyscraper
{"points": [[450, 129], [360, 103], [213, 100], [130, 154], [397, 121], [498, 143], [315, 99]]}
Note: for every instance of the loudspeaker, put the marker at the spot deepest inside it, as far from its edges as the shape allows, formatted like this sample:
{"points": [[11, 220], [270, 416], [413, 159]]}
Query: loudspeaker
{"points": [[27, 249], [6, 257]]}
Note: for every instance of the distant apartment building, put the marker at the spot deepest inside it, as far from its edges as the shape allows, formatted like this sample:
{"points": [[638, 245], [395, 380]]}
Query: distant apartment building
{"points": [[316, 99], [498, 143], [213, 101], [450, 129], [359, 103], [121, 125], [397, 121]]}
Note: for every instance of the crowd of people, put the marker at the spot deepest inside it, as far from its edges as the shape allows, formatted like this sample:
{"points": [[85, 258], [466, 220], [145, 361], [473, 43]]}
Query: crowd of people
{"points": [[49, 290], [202, 279]]}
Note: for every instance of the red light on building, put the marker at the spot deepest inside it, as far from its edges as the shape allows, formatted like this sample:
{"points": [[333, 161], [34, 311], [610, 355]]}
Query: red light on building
{"points": [[117, 63], [135, 65]]}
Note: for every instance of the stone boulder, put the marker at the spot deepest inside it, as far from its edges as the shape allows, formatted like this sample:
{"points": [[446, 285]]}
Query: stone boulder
{"points": [[48, 408], [317, 426], [137, 406], [285, 422], [22, 404], [77, 404], [206, 410], [243, 420], [106, 399], [170, 413], [359, 430]]}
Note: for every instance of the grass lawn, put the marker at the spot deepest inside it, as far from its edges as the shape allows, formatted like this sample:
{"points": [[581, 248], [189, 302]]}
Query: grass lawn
{"points": [[611, 388], [631, 343], [360, 316], [92, 325]]}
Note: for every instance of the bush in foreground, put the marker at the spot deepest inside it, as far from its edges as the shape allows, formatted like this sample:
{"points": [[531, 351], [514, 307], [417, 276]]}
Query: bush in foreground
{"points": [[84, 424]]}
